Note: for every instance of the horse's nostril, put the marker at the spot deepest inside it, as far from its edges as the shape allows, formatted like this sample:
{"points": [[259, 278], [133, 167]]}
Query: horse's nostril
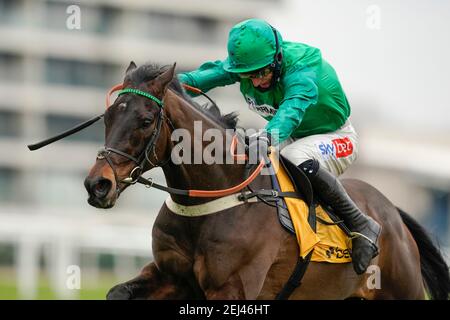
{"points": [[98, 187], [101, 188]]}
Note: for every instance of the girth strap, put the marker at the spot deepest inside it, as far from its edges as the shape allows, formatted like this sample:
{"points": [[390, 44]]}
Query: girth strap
{"points": [[302, 263], [295, 278]]}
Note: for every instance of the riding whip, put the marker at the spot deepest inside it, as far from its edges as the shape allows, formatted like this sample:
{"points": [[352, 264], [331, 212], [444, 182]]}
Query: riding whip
{"points": [[65, 133], [87, 123]]}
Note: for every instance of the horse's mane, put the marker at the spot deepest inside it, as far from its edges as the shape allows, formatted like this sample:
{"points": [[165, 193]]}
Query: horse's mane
{"points": [[150, 71]]}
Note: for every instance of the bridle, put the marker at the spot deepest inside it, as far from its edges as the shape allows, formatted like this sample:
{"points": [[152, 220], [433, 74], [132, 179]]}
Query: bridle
{"points": [[149, 150], [135, 175]]}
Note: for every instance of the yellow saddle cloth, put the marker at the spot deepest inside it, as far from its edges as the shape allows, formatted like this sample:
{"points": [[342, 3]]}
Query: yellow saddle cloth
{"points": [[329, 242]]}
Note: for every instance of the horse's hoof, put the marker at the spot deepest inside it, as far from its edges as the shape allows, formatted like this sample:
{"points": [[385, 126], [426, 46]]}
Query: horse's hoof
{"points": [[119, 292]]}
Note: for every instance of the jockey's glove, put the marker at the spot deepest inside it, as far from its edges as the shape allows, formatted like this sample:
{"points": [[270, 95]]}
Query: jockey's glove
{"points": [[258, 147]]}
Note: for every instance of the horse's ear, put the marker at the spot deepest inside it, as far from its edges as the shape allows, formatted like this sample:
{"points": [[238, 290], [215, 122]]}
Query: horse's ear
{"points": [[132, 66], [165, 78]]}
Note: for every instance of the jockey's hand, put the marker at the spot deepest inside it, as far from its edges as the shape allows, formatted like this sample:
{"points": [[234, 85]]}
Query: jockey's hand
{"points": [[257, 147]]}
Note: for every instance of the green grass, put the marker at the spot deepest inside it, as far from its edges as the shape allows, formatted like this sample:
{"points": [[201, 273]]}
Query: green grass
{"points": [[9, 290]]}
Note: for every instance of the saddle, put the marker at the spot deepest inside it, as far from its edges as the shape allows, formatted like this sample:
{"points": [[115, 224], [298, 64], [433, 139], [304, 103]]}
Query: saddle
{"points": [[317, 228], [302, 214], [303, 187]]}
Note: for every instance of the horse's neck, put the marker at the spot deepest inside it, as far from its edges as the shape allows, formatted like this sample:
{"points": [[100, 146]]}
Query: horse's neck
{"points": [[198, 176]]}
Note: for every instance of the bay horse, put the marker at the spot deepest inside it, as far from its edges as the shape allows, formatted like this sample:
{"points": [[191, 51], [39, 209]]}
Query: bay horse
{"points": [[241, 252]]}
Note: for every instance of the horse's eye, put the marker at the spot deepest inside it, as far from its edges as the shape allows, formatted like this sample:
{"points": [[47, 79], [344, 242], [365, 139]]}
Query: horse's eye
{"points": [[147, 123]]}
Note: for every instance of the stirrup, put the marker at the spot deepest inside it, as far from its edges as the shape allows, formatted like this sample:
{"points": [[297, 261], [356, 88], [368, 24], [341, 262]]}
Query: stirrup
{"points": [[354, 235]]}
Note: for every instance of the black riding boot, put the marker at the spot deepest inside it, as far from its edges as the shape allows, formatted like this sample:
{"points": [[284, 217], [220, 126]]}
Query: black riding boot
{"points": [[332, 193]]}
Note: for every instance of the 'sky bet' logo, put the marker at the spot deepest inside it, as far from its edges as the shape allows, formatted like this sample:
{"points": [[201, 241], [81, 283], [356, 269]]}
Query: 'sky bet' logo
{"points": [[343, 147]]}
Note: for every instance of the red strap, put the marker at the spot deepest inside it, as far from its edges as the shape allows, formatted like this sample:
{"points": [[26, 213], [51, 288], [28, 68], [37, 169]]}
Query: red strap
{"points": [[192, 89], [242, 185], [110, 92], [226, 192]]}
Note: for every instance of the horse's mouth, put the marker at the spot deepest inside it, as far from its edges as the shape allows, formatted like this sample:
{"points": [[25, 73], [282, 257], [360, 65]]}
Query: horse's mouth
{"points": [[101, 203]]}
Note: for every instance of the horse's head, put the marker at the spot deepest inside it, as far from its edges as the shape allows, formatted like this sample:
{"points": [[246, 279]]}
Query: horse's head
{"points": [[134, 141]]}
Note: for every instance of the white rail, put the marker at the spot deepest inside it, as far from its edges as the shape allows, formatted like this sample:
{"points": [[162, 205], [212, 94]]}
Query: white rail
{"points": [[64, 237]]}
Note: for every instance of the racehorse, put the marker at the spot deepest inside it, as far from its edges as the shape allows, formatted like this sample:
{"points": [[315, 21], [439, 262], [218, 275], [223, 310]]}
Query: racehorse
{"points": [[240, 252]]}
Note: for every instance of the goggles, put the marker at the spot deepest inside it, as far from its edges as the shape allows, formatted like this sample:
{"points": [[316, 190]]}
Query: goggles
{"points": [[258, 74]]}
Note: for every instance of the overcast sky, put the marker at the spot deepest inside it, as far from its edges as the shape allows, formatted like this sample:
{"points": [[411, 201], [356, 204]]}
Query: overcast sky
{"points": [[393, 56]]}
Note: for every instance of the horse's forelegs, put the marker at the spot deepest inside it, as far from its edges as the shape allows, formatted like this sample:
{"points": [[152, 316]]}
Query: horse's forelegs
{"points": [[150, 284]]}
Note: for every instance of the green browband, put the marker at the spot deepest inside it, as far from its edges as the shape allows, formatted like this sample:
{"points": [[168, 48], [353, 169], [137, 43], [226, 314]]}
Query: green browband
{"points": [[141, 93]]}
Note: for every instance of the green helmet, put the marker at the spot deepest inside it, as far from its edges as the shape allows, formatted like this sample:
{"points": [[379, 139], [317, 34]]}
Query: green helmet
{"points": [[252, 45]]}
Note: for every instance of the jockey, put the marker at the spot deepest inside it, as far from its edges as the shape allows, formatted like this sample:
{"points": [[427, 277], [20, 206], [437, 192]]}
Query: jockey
{"points": [[298, 92]]}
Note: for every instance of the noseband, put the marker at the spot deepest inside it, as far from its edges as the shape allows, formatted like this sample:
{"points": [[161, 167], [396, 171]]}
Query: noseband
{"points": [[144, 157]]}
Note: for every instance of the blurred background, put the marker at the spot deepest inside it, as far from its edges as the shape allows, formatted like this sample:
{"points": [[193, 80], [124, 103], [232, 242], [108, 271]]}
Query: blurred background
{"points": [[391, 56]]}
